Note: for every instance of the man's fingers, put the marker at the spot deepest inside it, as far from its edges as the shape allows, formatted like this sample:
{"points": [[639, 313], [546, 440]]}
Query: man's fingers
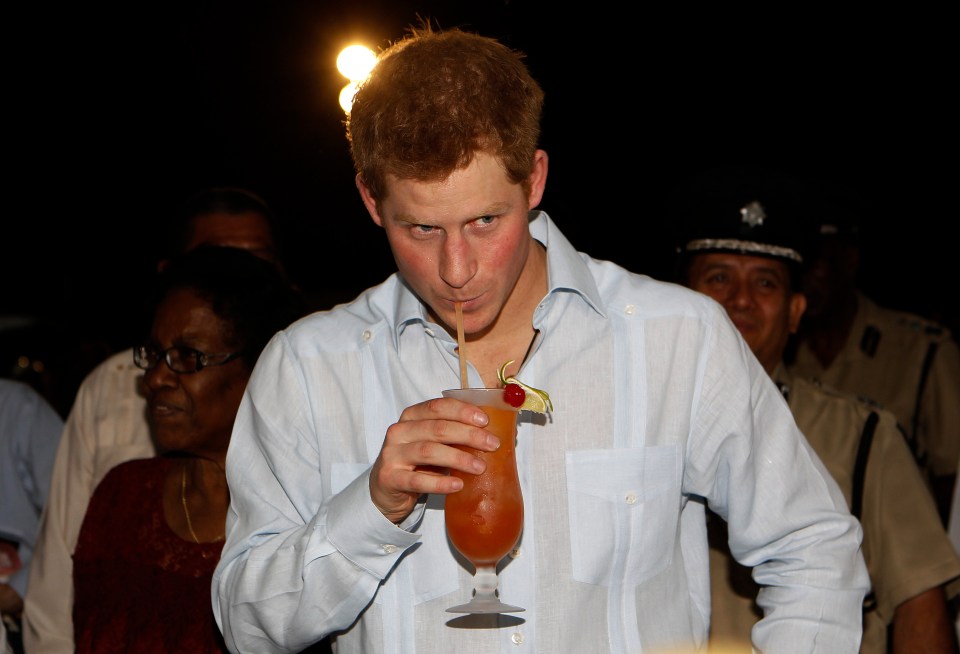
{"points": [[419, 451]]}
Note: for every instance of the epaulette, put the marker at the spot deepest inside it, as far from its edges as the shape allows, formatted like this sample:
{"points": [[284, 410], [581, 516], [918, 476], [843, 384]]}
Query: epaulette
{"points": [[870, 340], [920, 325], [868, 401]]}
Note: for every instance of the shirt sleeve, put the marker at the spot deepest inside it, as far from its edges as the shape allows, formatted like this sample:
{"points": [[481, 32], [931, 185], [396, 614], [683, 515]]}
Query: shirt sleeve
{"points": [[36, 429], [907, 548], [786, 516], [940, 410], [300, 560]]}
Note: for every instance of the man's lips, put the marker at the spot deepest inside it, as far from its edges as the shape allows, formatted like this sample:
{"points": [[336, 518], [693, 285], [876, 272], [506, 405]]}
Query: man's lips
{"points": [[464, 302]]}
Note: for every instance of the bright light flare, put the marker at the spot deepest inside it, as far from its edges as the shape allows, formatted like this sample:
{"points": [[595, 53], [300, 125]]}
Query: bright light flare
{"points": [[346, 96], [354, 62]]}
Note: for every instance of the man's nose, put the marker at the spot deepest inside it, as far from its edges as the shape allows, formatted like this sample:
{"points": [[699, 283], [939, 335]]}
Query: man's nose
{"points": [[458, 265], [740, 295]]}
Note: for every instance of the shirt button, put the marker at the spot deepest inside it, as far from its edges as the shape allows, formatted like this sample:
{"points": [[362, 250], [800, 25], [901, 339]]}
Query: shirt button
{"points": [[429, 331], [388, 548], [630, 498], [367, 335], [517, 638], [515, 553], [629, 309]]}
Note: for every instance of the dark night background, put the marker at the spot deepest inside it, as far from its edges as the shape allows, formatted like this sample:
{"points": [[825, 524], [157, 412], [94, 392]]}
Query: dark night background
{"points": [[114, 113]]}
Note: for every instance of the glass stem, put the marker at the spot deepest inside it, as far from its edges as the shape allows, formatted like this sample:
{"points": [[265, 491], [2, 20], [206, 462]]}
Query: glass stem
{"points": [[485, 582]]}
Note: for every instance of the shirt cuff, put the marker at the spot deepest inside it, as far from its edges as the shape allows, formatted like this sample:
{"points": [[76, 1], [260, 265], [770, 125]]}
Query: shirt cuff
{"points": [[359, 531]]}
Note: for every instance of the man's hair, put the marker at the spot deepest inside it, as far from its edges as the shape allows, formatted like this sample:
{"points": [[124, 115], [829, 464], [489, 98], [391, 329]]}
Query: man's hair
{"points": [[434, 100], [218, 199]]}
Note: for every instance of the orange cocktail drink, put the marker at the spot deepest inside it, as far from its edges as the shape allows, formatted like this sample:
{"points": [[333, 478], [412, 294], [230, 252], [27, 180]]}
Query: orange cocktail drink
{"points": [[485, 518]]}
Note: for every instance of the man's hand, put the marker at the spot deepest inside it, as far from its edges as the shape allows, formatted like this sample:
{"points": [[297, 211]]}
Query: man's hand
{"points": [[419, 451]]}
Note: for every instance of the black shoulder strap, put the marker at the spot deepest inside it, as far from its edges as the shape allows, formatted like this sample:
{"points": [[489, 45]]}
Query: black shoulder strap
{"points": [[860, 468], [924, 374], [859, 479]]}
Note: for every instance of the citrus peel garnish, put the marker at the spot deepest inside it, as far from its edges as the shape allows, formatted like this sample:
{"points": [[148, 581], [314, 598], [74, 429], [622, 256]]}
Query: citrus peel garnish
{"points": [[533, 398]]}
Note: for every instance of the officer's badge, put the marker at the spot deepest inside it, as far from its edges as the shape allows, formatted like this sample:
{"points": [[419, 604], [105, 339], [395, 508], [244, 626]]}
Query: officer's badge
{"points": [[753, 214]]}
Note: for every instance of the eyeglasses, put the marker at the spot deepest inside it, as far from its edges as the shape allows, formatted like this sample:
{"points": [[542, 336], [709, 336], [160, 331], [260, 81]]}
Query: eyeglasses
{"points": [[181, 359]]}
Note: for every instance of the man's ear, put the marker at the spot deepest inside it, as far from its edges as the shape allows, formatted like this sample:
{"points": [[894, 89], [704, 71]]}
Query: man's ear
{"points": [[798, 304], [368, 200], [538, 178]]}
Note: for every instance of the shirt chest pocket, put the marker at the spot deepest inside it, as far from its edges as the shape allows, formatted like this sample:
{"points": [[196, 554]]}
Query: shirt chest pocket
{"points": [[624, 508]]}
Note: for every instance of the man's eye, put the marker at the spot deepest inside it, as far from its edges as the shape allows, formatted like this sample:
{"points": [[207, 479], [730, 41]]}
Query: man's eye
{"points": [[486, 220], [425, 229]]}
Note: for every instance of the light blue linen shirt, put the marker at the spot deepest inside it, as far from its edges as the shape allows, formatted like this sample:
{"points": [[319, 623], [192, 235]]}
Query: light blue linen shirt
{"points": [[659, 407], [30, 430]]}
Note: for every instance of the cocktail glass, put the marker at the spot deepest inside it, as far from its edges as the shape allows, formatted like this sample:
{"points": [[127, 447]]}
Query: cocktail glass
{"points": [[484, 519]]}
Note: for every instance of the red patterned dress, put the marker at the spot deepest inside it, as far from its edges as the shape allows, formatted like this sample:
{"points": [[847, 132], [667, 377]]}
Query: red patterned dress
{"points": [[138, 586]]}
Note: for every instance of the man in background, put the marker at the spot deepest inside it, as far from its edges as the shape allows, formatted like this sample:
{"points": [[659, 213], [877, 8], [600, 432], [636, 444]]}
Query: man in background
{"points": [[745, 237], [907, 364]]}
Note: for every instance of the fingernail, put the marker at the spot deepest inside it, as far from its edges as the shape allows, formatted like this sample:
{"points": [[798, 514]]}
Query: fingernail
{"points": [[480, 418], [477, 465], [493, 443]]}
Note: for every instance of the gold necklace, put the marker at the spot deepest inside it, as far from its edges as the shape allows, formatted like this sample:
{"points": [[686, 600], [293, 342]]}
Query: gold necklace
{"points": [[186, 511]]}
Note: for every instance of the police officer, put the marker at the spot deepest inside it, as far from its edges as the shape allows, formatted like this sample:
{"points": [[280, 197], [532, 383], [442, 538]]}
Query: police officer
{"points": [[743, 245], [909, 365]]}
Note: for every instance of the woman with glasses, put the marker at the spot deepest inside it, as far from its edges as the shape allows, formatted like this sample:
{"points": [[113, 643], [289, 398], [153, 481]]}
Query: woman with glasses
{"points": [[107, 423], [154, 528]]}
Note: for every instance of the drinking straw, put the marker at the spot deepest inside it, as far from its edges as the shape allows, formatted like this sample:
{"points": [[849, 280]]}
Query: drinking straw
{"points": [[461, 347]]}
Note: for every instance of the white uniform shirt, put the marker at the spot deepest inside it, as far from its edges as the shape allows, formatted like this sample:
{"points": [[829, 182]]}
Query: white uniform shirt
{"points": [[658, 404], [106, 426], [953, 530]]}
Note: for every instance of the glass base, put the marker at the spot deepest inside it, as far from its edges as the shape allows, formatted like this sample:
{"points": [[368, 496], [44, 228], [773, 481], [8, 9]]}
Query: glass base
{"points": [[485, 605]]}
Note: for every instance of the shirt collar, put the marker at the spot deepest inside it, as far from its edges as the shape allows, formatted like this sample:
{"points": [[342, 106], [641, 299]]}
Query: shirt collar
{"points": [[567, 272]]}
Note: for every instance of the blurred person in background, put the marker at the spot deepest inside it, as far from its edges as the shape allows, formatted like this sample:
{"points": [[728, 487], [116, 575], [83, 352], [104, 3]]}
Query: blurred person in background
{"points": [[107, 423], [154, 527], [906, 363], [30, 430], [746, 232]]}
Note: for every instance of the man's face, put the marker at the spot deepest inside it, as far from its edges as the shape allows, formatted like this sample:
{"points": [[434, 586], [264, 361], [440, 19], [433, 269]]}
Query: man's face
{"points": [[831, 279], [755, 291], [465, 238], [248, 231]]}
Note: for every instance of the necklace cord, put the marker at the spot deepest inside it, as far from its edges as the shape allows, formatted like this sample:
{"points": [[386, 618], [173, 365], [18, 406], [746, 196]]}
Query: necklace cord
{"points": [[186, 511], [183, 500]]}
